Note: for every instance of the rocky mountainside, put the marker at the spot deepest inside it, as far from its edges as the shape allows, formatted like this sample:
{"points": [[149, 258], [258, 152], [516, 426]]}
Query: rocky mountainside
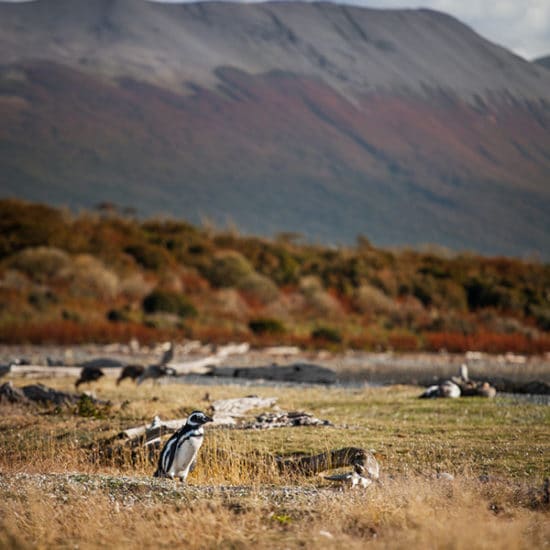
{"points": [[543, 61], [328, 120]]}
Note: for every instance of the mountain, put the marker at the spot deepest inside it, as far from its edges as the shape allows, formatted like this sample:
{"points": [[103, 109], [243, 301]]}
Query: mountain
{"points": [[328, 120], [543, 61]]}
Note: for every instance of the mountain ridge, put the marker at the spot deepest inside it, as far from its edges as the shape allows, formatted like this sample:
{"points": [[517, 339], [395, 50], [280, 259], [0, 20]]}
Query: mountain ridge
{"points": [[270, 147]]}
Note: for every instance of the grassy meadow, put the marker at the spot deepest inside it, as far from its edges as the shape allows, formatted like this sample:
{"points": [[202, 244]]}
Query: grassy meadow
{"points": [[57, 491]]}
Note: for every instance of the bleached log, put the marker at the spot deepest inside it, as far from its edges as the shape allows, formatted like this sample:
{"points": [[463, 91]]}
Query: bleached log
{"points": [[42, 371], [233, 349], [282, 419], [276, 351], [202, 365], [153, 430], [360, 459], [237, 407]]}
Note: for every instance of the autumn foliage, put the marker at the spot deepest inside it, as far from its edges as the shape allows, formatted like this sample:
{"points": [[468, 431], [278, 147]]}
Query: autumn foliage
{"points": [[101, 276]]}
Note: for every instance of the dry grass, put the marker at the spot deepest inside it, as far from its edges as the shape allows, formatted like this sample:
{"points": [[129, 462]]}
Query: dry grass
{"points": [[235, 499]]}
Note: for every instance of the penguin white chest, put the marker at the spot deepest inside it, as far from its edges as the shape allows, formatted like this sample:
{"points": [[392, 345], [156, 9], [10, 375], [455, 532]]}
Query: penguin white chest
{"points": [[185, 455]]}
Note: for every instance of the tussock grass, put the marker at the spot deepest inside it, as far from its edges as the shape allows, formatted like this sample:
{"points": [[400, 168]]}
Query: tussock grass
{"points": [[95, 512], [54, 491]]}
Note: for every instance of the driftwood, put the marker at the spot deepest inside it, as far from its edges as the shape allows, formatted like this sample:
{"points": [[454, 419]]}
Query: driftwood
{"points": [[225, 411], [284, 420], [298, 372], [538, 387], [147, 438], [361, 460], [38, 393]]}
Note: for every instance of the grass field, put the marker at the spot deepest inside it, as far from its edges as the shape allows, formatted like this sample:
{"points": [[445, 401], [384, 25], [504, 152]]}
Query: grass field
{"points": [[54, 492]]}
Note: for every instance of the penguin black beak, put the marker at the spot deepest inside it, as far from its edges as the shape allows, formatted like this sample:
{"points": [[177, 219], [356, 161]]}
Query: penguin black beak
{"points": [[208, 419]]}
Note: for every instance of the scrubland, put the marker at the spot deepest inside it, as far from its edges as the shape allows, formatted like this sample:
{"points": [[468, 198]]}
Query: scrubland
{"points": [[104, 276], [57, 490]]}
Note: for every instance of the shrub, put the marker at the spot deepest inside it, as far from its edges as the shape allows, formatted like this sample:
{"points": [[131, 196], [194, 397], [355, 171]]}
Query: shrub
{"points": [[40, 264], [227, 302], [266, 326], [228, 268], [369, 299], [24, 225], [119, 315], [42, 299], [149, 256], [403, 341], [15, 280], [165, 301], [327, 334], [89, 278], [486, 293], [541, 315], [134, 287], [318, 300], [259, 287]]}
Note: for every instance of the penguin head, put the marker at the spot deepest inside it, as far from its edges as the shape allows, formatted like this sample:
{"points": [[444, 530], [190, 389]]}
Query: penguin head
{"points": [[198, 418]]}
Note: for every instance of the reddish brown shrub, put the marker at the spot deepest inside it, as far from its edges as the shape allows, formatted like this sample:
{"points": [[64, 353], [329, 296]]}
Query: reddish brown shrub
{"points": [[487, 342]]}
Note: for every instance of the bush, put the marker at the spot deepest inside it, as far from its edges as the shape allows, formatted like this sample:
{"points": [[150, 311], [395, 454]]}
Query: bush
{"points": [[42, 299], [318, 300], [24, 225], [134, 287], [165, 301], [266, 326], [541, 315], [259, 287], [149, 256], [119, 315], [89, 278], [369, 299], [228, 269], [327, 334], [40, 264]]}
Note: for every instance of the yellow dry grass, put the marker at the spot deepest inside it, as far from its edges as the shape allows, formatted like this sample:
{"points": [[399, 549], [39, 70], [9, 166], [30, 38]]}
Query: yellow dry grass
{"points": [[55, 493]]}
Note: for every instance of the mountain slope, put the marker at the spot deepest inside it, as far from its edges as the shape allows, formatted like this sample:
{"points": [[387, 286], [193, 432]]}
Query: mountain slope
{"points": [[543, 61], [327, 120]]}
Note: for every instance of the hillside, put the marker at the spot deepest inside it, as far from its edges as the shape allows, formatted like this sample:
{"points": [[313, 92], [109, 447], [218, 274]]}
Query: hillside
{"points": [[543, 61], [327, 120], [104, 277]]}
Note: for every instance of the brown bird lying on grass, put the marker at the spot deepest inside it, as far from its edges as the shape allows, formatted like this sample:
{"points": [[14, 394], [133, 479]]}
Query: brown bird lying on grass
{"points": [[130, 371], [89, 374]]}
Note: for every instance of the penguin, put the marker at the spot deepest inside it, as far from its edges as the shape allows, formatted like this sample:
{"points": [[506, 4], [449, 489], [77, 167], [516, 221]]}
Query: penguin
{"points": [[179, 454]]}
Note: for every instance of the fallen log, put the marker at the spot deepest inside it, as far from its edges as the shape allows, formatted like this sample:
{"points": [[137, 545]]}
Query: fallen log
{"points": [[132, 442], [360, 459], [284, 419], [305, 373], [38, 393], [225, 411], [535, 387]]}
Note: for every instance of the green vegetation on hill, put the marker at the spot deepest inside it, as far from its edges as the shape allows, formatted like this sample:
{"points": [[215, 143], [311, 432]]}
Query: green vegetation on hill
{"points": [[103, 276]]}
